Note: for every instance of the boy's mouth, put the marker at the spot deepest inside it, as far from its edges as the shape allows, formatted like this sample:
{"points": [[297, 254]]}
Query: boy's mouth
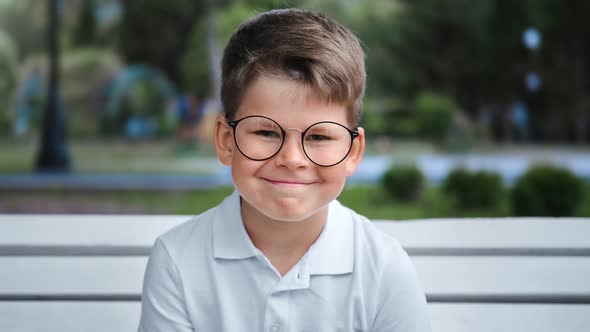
{"points": [[288, 182]]}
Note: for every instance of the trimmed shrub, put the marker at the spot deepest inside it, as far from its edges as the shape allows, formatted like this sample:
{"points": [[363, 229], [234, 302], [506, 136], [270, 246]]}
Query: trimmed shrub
{"points": [[474, 190], [403, 182], [547, 190], [434, 116]]}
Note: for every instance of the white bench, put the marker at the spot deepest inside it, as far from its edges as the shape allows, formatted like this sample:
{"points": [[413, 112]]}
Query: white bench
{"points": [[84, 273]]}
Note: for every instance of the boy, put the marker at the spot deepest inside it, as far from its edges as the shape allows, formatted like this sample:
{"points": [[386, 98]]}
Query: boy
{"points": [[280, 253]]}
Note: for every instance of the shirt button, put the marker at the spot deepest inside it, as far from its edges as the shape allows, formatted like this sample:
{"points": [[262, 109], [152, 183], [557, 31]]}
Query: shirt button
{"points": [[275, 328]]}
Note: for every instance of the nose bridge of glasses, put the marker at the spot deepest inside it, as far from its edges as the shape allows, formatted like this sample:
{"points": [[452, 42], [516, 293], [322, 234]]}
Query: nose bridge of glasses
{"points": [[287, 151], [298, 137], [294, 129]]}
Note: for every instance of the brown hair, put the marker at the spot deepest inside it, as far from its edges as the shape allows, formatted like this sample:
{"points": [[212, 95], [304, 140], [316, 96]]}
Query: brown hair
{"points": [[299, 45]]}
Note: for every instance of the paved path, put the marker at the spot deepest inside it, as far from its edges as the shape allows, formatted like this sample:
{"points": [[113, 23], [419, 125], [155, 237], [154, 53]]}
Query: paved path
{"points": [[434, 166]]}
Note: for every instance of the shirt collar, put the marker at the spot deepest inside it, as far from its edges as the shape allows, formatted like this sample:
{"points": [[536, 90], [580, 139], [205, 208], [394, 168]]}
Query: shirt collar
{"points": [[332, 253], [230, 239]]}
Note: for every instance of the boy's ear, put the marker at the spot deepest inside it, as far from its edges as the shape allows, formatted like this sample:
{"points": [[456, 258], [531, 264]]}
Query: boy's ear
{"points": [[356, 152], [224, 142]]}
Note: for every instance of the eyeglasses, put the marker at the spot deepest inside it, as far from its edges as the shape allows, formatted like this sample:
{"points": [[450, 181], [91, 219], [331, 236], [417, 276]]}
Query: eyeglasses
{"points": [[324, 143]]}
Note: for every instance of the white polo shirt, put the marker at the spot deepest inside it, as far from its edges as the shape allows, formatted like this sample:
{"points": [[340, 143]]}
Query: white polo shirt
{"points": [[206, 275]]}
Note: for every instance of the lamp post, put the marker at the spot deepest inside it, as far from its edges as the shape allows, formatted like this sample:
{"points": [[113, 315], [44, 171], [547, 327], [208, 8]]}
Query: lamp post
{"points": [[53, 154]]}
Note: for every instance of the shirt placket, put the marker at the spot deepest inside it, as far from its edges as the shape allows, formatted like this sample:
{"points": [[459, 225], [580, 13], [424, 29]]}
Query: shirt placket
{"points": [[277, 306]]}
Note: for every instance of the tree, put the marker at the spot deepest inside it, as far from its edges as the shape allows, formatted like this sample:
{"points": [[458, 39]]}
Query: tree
{"points": [[473, 52], [85, 32], [156, 32], [8, 63]]}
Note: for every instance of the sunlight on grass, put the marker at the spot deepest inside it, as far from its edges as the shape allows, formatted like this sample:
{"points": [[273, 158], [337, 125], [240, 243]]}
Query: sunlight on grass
{"points": [[116, 157]]}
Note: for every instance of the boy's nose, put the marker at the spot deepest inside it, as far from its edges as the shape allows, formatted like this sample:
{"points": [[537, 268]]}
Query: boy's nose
{"points": [[292, 154]]}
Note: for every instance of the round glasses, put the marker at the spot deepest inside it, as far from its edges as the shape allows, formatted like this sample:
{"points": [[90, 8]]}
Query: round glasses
{"points": [[324, 143]]}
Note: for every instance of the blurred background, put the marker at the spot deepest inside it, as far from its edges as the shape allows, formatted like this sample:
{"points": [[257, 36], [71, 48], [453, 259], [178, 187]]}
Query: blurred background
{"points": [[473, 108]]}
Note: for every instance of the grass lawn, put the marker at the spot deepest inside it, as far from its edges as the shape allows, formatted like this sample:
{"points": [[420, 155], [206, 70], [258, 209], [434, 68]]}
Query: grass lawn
{"points": [[119, 156], [157, 156], [370, 201], [168, 158]]}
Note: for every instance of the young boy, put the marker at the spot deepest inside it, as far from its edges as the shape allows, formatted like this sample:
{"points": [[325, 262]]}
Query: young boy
{"points": [[280, 253]]}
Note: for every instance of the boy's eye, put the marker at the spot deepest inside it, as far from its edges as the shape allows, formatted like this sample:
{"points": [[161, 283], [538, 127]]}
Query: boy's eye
{"points": [[317, 138], [267, 133]]}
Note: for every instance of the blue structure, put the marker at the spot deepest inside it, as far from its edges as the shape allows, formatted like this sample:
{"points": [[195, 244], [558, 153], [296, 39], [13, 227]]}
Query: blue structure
{"points": [[138, 125]]}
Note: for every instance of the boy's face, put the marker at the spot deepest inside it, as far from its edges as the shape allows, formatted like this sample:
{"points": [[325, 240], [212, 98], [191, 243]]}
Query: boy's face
{"points": [[287, 186]]}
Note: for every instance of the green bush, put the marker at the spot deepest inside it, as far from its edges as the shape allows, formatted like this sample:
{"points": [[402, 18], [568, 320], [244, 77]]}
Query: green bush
{"points": [[403, 182], [474, 190], [547, 190], [434, 115]]}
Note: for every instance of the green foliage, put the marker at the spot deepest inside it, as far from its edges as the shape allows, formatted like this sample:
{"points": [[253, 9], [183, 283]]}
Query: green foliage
{"points": [[156, 32], [388, 117], [85, 31], [25, 22], [8, 78], [86, 74], [461, 134], [474, 190], [547, 190], [434, 115], [404, 182], [195, 61]]}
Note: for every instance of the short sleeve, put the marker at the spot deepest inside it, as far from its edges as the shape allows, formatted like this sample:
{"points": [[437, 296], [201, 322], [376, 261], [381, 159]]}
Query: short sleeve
{"points": [[162, 304], [402, 303]]}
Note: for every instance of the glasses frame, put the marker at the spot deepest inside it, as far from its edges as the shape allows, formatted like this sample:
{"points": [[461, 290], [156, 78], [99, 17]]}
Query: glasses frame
{"points": [[234, 125]]}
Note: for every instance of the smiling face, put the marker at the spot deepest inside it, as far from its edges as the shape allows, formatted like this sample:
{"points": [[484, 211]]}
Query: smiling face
{"points": [[288, 186]]}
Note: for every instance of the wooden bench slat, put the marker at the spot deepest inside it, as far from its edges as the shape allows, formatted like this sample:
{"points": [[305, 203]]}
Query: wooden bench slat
{"points": [[509, 318], [69, 316], [440, 276], [83, 230], [500, 233], [124, 317], [24, 233], [114, 276], [504, 275]]}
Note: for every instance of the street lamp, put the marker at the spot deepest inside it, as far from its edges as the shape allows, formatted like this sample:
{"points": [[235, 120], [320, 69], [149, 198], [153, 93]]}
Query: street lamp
{"points": [[53, 154]]}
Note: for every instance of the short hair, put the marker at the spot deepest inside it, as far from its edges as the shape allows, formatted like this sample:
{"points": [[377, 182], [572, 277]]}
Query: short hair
{"points": [[300, 45]]}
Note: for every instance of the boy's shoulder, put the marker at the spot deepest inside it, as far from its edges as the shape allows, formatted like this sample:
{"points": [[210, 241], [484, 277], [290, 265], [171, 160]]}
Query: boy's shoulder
{"points": [[369, 239], [379, 256], [195, 234], [366, 229]]}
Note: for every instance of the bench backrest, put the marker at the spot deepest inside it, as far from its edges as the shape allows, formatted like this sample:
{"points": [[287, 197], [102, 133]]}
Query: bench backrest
{"points": [[85, 273]]}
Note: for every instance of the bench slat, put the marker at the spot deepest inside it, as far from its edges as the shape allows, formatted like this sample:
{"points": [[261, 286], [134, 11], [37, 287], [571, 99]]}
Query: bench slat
{"points": [[500, 233], [440, 276], [124, 317], [509, 318], [69, 316], [26, 231], [135, 234]]}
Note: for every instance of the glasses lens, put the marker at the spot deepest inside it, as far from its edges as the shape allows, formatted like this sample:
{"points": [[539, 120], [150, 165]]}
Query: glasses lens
{"points": [[327, 143], [258, 138]]}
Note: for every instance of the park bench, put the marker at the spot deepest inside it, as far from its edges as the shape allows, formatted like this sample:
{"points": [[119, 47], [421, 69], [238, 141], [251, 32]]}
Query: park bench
{"points": [[84, 272]]}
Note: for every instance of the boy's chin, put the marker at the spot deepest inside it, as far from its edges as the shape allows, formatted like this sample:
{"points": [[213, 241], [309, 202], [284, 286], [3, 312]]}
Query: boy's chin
{"points": [[290, 218], [287, 215]]}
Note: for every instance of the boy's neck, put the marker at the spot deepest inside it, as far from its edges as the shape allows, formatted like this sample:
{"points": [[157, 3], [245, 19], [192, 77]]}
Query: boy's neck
{"points": [[282, 242]]}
